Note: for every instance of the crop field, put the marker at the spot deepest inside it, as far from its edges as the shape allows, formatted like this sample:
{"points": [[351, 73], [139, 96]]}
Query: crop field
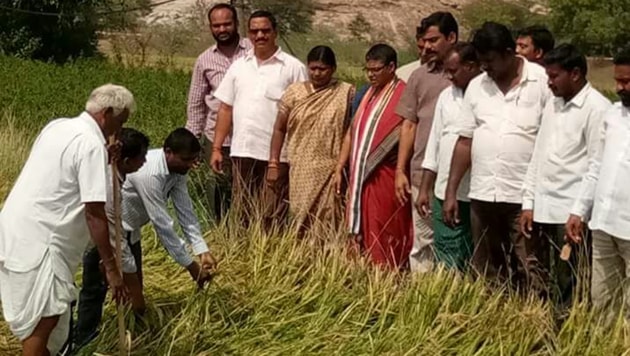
{"points": [[275, 294]]}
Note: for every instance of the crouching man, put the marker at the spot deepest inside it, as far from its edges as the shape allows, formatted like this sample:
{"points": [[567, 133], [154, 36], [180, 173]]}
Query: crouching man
{"points": [[145, 195]]}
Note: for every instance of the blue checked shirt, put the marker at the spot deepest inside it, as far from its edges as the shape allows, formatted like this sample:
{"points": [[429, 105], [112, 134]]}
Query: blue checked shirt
{"points": [[145, 196]]}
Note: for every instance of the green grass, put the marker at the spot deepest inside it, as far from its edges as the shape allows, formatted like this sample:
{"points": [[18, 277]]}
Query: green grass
{"points": [[276, 294]]}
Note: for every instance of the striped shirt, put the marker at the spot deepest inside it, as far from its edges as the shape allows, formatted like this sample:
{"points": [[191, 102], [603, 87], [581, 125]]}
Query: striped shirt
{"points": [[209, 70], [145, 197]]}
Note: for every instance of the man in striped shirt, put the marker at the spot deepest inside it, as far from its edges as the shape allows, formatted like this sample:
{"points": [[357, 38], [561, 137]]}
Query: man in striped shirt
{"points": [[209, 70], [145, 196]]}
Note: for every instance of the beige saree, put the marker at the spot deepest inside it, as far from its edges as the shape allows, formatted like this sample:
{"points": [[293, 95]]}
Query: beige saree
{"points": [[317, 120]]}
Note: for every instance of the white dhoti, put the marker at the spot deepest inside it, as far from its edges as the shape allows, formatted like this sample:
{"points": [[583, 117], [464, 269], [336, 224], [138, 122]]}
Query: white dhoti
{"points": [[421, 257], [27, 297]]}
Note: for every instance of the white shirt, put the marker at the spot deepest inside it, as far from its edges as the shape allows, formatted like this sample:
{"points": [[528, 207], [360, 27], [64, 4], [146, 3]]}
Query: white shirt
{"points": [[606, 187], [503, 129], [404, 72], [45, 211], [569, 135], [254, 91], [442, 139], [145, 196]]}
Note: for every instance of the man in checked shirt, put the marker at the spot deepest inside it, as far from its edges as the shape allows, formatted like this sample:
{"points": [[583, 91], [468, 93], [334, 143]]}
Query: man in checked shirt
{"points": [[209, 70]]}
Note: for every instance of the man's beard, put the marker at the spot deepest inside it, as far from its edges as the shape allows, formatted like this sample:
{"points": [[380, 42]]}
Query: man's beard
{"points": [[624, 95], [229, 40]]}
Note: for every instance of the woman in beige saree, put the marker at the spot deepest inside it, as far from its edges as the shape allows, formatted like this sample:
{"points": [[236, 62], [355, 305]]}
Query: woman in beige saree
{"points": [[313, 116]]}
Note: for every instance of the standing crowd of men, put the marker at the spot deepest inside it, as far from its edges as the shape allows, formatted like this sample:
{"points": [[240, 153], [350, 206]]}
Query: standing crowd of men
{"points": [[494, 156]]}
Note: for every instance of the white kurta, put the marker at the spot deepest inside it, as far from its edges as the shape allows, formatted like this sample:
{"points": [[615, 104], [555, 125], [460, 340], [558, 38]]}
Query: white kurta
{"points": [[43, 229]]}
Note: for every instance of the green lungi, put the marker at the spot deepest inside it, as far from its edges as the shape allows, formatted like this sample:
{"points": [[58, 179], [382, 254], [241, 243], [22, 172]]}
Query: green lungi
{"points": [[453, 246]]}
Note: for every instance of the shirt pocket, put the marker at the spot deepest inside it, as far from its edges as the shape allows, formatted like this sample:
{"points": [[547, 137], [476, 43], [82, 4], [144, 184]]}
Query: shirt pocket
{"points": [[274, 90], [526, 115]]}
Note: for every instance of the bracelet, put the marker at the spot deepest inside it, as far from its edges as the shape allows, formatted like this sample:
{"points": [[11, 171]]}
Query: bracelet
{"points": [[217, 149], [401, 169], [273, 164]]}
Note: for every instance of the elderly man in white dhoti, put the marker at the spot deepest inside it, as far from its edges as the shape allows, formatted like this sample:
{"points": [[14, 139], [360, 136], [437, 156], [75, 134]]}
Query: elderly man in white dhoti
{"points": [[56, 203]]}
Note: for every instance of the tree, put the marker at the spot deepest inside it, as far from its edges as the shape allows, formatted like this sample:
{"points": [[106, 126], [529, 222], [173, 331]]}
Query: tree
{"points": [[597, 27], [360, 28], [513, 14], [59, 30]]}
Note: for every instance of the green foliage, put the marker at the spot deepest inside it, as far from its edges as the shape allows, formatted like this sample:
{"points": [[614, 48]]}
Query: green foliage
{"points": [[40, 92], [598, 27], [514, 14], [58, 38]]}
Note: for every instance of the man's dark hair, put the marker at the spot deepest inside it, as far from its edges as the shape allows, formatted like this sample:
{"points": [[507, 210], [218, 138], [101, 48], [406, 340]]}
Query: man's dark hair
{"points": [[491, 37], [568, 57], [443, 20], [466, 52], [382, 52], [134, 143], [266, 14], [223, 6], [322, 54], [623, 56], [182, 141], [542, 38]]}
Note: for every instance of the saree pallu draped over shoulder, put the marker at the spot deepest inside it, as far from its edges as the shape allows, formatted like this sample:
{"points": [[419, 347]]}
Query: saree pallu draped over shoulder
{"points": [[316, 124], [383, 225]]}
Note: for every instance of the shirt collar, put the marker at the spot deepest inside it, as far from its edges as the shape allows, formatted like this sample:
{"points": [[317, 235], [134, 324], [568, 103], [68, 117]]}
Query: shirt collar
{"points": [[435, 67], [242, 45], [156, 162], [91, 122], [279, 55], [162, 166], [526, 73], [458, 93], [579, 98]]}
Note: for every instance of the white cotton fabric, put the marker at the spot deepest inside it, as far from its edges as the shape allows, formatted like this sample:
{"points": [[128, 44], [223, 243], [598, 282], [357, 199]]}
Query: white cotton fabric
{"points": [[27, 297], [43, 228], [254, 89]]}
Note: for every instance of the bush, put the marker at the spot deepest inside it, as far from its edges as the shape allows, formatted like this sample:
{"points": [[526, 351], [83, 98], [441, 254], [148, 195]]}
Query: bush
{"points": [[597, 27], [514, 14], [36, 33]]}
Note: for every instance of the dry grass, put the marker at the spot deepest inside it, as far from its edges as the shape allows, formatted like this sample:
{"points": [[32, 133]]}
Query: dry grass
{"points": [[278, 295]]}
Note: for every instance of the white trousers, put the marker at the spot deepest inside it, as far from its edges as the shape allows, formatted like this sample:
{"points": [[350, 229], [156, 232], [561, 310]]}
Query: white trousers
{"points": [[610, 287], [421, 255]]}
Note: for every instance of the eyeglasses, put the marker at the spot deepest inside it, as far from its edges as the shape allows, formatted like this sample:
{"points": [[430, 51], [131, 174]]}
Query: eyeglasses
{"points": [[265, 31]]}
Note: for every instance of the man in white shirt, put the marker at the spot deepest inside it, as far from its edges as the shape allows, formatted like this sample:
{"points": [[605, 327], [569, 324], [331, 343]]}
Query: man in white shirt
{"points": [[452, 245], [249, 95], [606, 193], [499, 121], [569, 136], [56, 203]]}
